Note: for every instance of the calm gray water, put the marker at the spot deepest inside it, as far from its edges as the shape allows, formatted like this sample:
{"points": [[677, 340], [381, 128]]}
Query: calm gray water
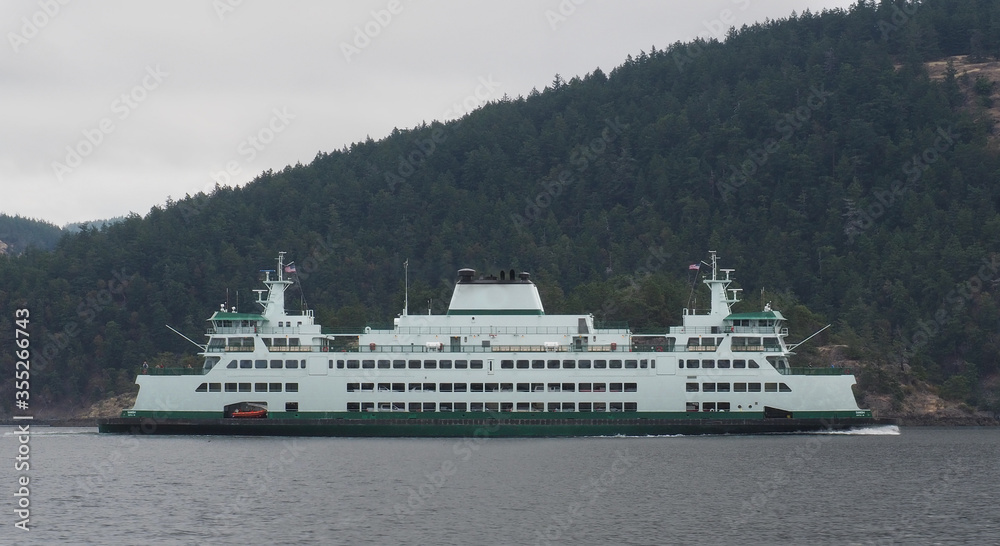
{"points": [[920, 486]]}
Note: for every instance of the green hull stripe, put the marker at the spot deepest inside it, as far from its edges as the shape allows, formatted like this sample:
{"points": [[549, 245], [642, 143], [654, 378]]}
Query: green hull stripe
{"points": [[514, 418]]}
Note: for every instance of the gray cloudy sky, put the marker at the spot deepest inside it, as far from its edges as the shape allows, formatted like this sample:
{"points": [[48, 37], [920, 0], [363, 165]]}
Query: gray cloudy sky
{"points": [[110, 107]]}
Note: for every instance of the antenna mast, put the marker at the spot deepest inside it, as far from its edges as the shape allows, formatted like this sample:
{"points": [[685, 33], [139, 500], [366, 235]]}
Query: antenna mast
{"points": [[406, 287]]}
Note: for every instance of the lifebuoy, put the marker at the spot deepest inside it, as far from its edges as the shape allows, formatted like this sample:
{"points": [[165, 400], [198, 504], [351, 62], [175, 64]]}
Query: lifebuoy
{"points": [[659, 348], [614, 346], [371, 346]]}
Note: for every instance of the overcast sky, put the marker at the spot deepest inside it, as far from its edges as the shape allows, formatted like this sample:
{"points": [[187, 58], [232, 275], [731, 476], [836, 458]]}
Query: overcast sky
{"points": [[111, 107]]}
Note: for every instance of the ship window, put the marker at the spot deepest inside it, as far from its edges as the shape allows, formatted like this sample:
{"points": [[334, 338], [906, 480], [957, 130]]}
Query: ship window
{"points": [[430, 364], [291, 387], [277, 363], [723, 387], [523, 406], [753, 364], [553, 406], [415, 386], [537, 387], [291, 406], [739, 363], [492, 406], [600, 406], [214, 387], [244, 387], [708, 406], [429, 386], [631, 406], [600, 364], [398, 387], [553, 365], [506, 387], [230, 387], [476, 364], [723, 363], [537, 364], [506, 364], [384, 387], [340, 364], [260, 387], [367, 387], [295, 364], [770, 387], [739, 387], [783, 388], [569, 364], [461, 364], [568, 387], [476, 387], [586, 406], [414, 406], [615, 406], [246, 364], [352, 387], [615, 364], [692, 387], [368, 406], [554, 387], [523, 387], [630, 387], [584, 364], [586, 387], [652, 363], [692, 364], [429, 406], [753, 387], [202, 388], [632, 364], [259, 363], [708, 387], [616, 387], [446, 387], [445, 364], [383, 364], [460, 387], [692, 406], [643, 363], [680, 363], [445, 406], [600, 387], [522, 364], [707, 363], [413, 365], [274, 387], [232, 364], [723, 406], [398, 364], [476, 406], [368, 364], [569, 406], [460, 406]]}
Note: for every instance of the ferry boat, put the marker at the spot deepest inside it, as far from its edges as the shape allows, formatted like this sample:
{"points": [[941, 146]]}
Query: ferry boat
{"points": [[494, 365]]}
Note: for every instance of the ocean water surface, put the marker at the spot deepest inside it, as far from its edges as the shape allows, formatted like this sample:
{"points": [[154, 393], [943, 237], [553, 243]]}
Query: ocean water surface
{"points": [[878, 486]]}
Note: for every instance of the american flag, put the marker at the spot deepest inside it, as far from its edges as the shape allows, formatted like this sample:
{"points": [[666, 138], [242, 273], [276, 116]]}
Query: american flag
{"points": [[290, 268], [694, 266]]}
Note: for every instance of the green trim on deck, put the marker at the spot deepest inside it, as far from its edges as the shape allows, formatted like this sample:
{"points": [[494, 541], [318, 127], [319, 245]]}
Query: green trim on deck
{"points": [[224, 315]]}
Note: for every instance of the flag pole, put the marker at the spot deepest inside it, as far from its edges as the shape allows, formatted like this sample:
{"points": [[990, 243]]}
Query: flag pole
{"points": [[406, 287]]}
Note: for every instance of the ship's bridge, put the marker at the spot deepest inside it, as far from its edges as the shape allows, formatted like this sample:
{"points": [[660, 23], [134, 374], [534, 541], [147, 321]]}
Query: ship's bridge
{"points": [[762, 322], [224, 322]]}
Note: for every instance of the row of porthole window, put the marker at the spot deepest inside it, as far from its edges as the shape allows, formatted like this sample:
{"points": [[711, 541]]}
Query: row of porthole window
{"points": [[538, 364], [711, 363], [245, 387], [493, 387], [493, 406], [737, 387], [262, 364]]}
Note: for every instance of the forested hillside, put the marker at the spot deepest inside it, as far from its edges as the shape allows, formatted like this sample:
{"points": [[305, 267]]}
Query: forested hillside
{"points": [[816, 154], [17, 234]]}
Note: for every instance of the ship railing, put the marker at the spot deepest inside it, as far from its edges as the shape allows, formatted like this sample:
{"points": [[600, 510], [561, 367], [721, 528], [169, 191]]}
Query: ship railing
{"points": [[232, 330], [174, 371], [814, 371], [297, 348], [228, 349], [446, 349], [718, 330], [756, 349]]}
